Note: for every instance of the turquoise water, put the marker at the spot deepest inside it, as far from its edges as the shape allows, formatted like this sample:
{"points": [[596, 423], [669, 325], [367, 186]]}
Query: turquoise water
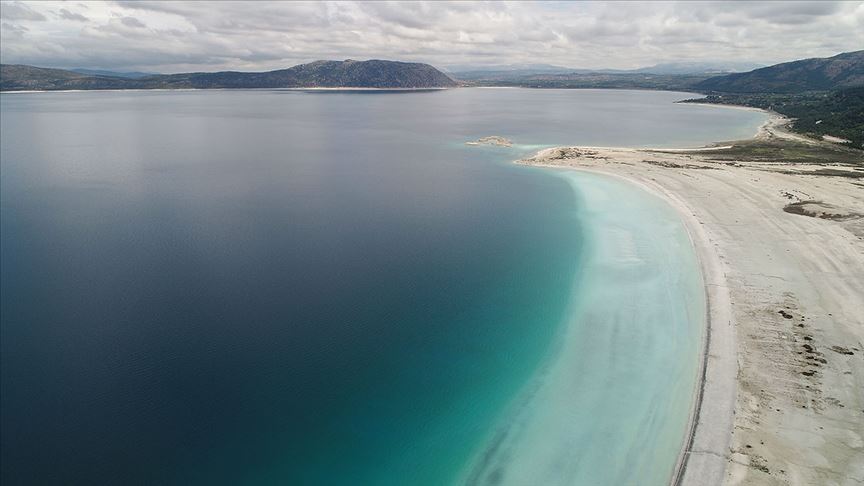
{"points": [[616, 417], [270, 287]]}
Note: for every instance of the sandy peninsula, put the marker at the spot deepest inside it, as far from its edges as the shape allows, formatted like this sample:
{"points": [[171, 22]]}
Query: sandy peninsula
{"points": [[778, 224]]}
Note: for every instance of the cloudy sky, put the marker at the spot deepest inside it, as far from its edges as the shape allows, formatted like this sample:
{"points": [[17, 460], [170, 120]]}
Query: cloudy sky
{"points": [[176, 36]]}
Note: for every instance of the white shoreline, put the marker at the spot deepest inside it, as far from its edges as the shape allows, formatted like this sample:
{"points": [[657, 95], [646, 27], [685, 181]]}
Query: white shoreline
{"points": [[526, 444], [723, 105], [710, 420], [730, 239], [717, 364]]}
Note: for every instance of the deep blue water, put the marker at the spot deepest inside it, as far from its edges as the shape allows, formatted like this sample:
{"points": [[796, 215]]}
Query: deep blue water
{"points": [[279, 287]]}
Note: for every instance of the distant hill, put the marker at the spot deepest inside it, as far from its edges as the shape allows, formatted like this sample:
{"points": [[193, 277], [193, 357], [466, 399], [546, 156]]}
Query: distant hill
{"points": [[318, 74], [510, 75], [530, 68], [520, 73], [113, 74], [19, 77], [819, 74], [470, 72], [698, 68], [585, 80], [823, 96]]}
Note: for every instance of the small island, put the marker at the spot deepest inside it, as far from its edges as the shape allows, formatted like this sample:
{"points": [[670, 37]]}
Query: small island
{"points": [[492, 140]]}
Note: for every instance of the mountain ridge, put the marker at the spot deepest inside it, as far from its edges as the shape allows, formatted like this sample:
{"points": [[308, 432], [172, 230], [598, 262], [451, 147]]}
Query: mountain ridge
{"points": [[844, 70], [517, 72], [113, 74], [373, 73]]}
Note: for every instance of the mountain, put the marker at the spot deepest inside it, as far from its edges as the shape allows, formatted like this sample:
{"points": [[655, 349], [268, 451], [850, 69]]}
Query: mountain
{"points": [[524, 73], [535, 68], [671, 68], [113, 74], [19, 77], [578, 79], [819, 74], [476, 71], [318, 74], [508, 74], [698, 68]]}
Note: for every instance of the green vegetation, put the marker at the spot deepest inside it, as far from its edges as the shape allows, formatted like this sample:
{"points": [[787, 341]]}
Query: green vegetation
{"points": [[823, 96], [829, 156], [836, 113]]}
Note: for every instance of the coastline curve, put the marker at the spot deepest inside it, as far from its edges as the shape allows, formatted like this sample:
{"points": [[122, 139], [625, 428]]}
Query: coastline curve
{"points": [[704, 452], [705, 446]]}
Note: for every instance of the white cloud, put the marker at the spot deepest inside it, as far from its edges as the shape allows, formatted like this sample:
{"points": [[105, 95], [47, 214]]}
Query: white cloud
{"points": [[67, 15], [182, 36], [19, 11], [132, 22]]}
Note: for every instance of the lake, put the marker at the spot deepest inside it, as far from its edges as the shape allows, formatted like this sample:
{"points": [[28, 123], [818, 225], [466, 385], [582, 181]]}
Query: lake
{"points": [[288, 287]]}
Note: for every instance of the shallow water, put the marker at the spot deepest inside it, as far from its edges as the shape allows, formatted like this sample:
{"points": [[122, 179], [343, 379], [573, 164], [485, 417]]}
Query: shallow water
{"points": [[617, 416], [327, 288]]}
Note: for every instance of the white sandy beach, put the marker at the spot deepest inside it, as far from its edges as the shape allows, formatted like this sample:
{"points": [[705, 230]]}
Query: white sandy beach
{"points": [[783, 395]]}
